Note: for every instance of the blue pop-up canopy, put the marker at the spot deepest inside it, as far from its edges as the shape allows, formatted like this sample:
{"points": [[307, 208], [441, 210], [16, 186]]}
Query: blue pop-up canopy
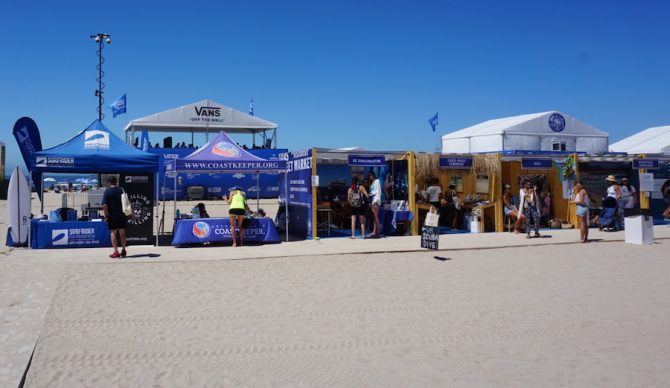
{"points": [[221, 154], [94, 150]]}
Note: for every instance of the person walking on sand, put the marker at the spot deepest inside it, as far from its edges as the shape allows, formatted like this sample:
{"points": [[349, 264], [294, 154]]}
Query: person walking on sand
{"points": [[357, 196], [582, 202], [375, 202], [530, 207], [114, 216], [237, 211], [614, 191], [628, 194]]}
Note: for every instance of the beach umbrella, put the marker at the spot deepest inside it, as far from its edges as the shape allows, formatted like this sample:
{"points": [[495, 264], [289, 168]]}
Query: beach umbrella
{"points": [[49, 179]]}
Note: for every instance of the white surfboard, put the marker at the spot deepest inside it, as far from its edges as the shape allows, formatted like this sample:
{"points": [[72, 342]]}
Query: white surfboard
{"points": [[18, 207]]}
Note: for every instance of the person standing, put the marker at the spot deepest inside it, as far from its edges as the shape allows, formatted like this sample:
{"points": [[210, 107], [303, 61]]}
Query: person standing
{"points": [[357, 197], [530, 207], [114, 216], [614, 191], [582, 202], [628, 194], [511, 210], [375, 202], [237, 211], [434, 192]]}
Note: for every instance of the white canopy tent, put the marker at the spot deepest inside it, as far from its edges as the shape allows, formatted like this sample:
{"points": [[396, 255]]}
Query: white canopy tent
{"points": [[546, 131], [654, 140], [205, 116]]}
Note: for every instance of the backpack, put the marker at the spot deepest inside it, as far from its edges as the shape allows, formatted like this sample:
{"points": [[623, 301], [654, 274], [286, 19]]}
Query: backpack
{"points": [[356, 198]]}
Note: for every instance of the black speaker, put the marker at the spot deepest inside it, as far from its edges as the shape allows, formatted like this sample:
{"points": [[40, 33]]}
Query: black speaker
{"points": [[167, 142]]}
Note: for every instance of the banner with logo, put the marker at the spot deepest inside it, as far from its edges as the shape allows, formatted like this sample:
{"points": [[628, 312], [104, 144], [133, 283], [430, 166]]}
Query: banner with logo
{"points": [[216, 184], [140, 190], [299, 164], [28, 138], [72, 234]]}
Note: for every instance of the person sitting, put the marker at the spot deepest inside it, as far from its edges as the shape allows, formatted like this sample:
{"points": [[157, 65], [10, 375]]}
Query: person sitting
{"points": [[202, 210], [511, 210]]}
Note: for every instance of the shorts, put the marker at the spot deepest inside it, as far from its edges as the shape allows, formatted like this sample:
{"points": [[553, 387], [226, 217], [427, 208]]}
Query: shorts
{"points": [[582, 211], [237, 212], [376, 201], [117, 222], [508, 211], [358, 211]]}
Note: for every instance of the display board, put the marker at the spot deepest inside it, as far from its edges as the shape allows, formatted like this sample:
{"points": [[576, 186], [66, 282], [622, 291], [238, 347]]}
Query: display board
{"points": [[299, 195], [140, 190]]}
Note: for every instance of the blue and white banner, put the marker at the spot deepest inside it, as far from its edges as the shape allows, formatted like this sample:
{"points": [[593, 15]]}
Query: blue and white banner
{"points": [[536, 164], [367, 160], [645, 164], [28, 138], [119, 106], [433, 121], [457, 163], [216, 184], [299, 196], [71, 234]]}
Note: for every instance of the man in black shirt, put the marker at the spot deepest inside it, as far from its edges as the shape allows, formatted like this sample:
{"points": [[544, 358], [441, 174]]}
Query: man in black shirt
{"points": [[116, 219]]}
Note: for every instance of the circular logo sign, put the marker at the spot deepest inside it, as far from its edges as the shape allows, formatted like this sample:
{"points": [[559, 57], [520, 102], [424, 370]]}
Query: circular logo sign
{"points": [[201, 229], [557, 122], [225, 149], [141, 208]]}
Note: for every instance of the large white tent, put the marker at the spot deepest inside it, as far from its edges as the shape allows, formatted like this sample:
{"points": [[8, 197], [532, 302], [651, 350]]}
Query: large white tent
{"points": [[205, 116], [654, 140], [546, 131]]}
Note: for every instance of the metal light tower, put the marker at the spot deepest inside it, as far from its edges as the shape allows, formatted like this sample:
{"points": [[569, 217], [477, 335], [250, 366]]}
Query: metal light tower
{"points": [[100, 39]]}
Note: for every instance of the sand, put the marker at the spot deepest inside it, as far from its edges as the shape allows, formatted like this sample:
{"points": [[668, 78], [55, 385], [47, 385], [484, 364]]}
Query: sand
{"points": [[502, 311], [566, 315]]}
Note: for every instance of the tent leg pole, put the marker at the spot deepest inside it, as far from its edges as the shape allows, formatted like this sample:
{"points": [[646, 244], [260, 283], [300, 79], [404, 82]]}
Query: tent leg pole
{"points": [[174, 203], [258, 190], [286, 204], [156, 203]]}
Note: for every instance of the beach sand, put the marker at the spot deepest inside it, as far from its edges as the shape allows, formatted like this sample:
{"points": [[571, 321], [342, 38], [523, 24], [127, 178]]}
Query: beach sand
{"points": [[551, 315]]}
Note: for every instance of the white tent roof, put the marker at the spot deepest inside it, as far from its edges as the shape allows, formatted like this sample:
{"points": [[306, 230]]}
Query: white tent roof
{"points": [[526, 124], [200, 117], [655, 140]]}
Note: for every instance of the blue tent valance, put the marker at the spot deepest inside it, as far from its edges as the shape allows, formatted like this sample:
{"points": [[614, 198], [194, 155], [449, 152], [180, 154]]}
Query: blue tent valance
{"points": [[94, 150], [223, 155]]}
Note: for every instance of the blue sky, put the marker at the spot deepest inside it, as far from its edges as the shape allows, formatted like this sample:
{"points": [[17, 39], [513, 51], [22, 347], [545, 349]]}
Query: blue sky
{"points": [[339, 73]]}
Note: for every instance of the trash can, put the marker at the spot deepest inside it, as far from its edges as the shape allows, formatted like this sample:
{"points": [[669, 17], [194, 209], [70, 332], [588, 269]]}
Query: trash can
{"points": [[639, 226]]}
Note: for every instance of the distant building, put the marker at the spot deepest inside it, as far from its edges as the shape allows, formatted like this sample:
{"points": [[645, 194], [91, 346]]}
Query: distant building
{"points": [[655, 140]]}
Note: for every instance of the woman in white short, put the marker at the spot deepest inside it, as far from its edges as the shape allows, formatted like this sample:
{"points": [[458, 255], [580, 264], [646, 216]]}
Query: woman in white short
{"points": [[375, 202]]}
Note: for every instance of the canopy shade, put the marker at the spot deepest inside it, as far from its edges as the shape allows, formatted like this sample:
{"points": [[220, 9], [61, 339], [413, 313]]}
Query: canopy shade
{"points": [[204, 116], [655, 140], [223, 155], [95, 149], [546, 131]]}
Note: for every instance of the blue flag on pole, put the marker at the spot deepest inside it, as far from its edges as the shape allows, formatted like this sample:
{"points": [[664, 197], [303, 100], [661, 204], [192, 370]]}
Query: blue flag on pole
{"points": [[433, 122], [251, 107], [119, 106], [145, 144]]}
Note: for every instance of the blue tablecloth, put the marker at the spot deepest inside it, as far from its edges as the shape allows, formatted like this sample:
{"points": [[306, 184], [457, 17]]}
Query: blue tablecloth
{"points": [[218, 230], [388, 219], [69, 234]]}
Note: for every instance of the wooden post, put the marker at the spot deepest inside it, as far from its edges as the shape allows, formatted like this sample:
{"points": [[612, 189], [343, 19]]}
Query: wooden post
{"points": [[411, 182], [315, 204], [497, 198]]}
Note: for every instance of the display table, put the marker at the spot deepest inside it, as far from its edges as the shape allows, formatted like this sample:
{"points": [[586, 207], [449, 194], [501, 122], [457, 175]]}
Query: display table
{"points": [[388, 219], [217, 230], [69, 234]]}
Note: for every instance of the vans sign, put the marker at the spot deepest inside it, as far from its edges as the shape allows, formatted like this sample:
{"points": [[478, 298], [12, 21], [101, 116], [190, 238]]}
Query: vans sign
{"points": [[207, 114]]}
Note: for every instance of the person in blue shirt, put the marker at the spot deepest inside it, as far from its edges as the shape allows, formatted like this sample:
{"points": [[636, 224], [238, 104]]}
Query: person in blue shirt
{"points": [[114, 216]]}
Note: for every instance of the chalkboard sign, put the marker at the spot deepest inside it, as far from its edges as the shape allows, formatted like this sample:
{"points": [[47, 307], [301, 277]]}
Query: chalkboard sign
{"points": [[430, 237]]}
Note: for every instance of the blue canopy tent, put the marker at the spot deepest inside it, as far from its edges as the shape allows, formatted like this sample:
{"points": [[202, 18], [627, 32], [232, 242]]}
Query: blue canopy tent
{"points": [[94, 150], [222, 155]]}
